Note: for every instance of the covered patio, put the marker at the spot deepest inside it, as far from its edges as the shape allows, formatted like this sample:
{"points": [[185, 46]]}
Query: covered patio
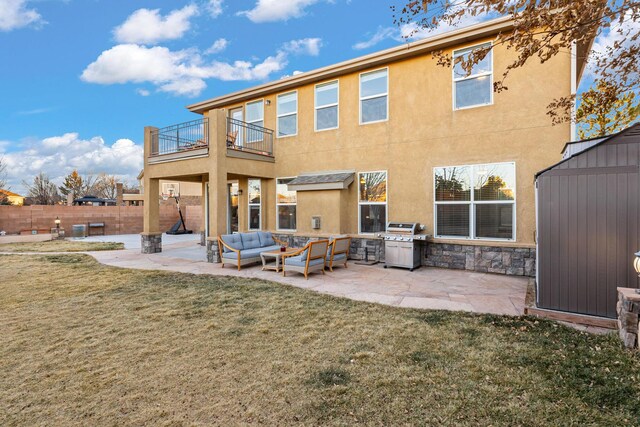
{"points": [[424, 288]]}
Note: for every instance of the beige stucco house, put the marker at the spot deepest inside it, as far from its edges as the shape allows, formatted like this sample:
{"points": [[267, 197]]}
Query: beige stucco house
{"points": [[390, 136]]}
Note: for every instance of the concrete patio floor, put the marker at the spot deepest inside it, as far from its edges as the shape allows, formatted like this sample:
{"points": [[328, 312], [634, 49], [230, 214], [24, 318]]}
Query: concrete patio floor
{"points": [[425, 288]]}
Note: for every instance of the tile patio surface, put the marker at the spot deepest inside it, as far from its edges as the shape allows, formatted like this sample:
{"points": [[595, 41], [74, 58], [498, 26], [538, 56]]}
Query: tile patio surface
{"points": [[425, 288]]}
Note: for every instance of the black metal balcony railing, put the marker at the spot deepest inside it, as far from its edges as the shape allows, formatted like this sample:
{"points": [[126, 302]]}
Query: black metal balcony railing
{"points": [[249, 137], [181, 137]]}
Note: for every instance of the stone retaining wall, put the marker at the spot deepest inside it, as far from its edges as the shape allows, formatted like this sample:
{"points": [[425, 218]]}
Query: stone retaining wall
{"points": [[628, 309], [483, 259]]}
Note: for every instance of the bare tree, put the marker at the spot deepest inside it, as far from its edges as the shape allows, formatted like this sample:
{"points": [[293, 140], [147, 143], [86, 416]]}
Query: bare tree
{"points": [[542, 30], [42, 191]]}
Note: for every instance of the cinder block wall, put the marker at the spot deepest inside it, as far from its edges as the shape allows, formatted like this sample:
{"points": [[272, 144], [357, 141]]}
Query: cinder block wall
{"points": [[117, 219]]}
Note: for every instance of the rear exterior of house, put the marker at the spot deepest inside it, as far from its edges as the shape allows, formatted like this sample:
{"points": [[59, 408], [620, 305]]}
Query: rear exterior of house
{"points": [[390, 136], [589, 225]]}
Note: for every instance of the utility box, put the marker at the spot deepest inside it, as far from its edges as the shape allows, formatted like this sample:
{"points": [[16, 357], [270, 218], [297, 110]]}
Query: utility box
{"points": [[315, 222]]}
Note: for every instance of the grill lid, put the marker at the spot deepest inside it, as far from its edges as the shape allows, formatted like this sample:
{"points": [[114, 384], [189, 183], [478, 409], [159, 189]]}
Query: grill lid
{"points": [[403, 227]]}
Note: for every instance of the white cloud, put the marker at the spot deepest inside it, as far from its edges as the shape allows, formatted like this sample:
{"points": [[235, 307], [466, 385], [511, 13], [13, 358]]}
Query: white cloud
{"points": [[184, 72], [149, 27], [607, 41], [215, 8], [59, 155], [309, 46], [218, 46], [14, 14], [413, 32], [383, 33], [143, 92], [277, 10]]}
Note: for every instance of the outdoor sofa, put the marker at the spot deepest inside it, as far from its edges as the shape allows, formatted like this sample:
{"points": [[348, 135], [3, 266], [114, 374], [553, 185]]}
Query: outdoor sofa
{"points": [[241, 249]]}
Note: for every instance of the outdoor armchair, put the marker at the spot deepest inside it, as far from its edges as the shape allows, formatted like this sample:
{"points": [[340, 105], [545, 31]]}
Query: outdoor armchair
{"points": [[306, 260], [338, 252]]}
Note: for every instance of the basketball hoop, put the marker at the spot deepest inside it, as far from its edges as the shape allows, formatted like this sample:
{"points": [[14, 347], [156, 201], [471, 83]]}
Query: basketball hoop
{"points": [[165, 197]]}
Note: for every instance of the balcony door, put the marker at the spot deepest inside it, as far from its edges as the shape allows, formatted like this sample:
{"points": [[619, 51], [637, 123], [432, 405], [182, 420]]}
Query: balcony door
{"points": [[238, 114], [232, 212]]}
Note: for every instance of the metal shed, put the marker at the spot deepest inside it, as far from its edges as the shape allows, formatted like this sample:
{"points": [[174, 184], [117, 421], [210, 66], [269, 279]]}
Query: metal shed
{"points": [[588, 225]]}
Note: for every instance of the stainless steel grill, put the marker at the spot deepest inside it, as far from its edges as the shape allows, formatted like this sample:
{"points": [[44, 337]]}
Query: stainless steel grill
{"points": [[402, 245]]}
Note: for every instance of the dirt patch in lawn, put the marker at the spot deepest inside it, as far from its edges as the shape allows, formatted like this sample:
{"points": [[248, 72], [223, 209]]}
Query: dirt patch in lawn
{"points": [[61, 246], [86, 344]]}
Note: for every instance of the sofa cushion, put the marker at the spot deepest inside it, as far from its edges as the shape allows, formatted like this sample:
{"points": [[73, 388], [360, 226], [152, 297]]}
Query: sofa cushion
{"points": [[266, 239], [299, 261], [233, 240], [337, 257], [250, 240], [255, 252]]}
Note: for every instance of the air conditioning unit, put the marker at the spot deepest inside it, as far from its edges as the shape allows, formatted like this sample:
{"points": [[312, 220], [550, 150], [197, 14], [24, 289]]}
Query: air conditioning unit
{"points": [[315, 222]]}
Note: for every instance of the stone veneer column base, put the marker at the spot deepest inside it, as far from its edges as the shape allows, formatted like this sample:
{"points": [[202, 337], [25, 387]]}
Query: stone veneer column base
{"points": [[213, 251], [151, 243], [628, 308], [483, 259], [203, 239]]}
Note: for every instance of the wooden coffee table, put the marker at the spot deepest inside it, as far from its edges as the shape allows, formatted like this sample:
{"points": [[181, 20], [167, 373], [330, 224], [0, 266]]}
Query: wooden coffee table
{"points": [[276, 256]]}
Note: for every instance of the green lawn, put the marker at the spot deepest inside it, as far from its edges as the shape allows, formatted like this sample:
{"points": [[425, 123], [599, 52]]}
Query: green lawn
{"points": [[86, 344], [60, 246]]}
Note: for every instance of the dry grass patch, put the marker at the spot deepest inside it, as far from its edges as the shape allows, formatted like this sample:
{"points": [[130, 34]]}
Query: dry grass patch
{"points": [[86, 344], [61, 246]]}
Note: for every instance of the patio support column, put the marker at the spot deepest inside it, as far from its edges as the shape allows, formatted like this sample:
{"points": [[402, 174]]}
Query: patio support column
{"points": [[151, 235], [217, 182]]}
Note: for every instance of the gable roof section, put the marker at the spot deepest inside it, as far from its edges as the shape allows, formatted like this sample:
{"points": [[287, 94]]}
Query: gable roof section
{"points": [[9, 193]]}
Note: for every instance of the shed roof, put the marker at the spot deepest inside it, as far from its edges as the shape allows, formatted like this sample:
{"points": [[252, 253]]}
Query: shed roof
{"points": [[590, 144], [327, 180]]}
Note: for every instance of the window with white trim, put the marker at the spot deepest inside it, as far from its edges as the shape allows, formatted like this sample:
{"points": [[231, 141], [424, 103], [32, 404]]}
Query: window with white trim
{"points": [[255, 205], [326, 106], [374, 99], [472, 88], [475, 201], [286, 201], [372, 202], [287, 123], [254, 112]]}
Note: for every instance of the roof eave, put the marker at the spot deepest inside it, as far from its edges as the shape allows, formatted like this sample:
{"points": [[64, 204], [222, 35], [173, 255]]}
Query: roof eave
{"points": [[404, 51]]}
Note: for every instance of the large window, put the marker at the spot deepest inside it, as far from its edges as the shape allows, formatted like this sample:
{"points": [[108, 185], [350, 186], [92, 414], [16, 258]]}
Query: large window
{"points": [[474, 87], [286, 205], [475, 202], [374, 100], [255, 116], [287, 114], [326, 106], [372, 202], [255, 205]]}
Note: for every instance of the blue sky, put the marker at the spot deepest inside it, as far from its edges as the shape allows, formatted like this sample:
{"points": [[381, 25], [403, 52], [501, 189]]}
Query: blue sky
{"points": [[80, 79]]}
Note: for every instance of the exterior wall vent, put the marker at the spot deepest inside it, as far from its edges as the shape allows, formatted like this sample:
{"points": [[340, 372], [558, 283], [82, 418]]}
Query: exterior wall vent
{"points": [[315, 222]]}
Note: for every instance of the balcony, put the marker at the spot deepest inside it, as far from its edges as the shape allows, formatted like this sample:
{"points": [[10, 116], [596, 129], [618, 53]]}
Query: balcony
{"points": [[247, 140], [182, 140]]}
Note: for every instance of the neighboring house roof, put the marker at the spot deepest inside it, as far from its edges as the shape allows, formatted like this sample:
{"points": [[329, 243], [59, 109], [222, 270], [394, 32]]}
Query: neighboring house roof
{"points": [[588, 144], [10, 194], [404, 51], [328, 180], [93, 199]]}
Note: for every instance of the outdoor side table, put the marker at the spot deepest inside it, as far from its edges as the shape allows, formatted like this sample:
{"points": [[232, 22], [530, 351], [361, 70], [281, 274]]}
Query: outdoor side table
{"points": [[276, 256]]}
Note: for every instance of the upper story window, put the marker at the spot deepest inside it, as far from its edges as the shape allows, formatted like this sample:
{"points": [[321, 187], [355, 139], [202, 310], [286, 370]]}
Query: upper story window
{"points": [[374, 99], [472, 89], [287, 114], [372, 202], [476, 201], [326, 106], [286, 201], [255, 116]]}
